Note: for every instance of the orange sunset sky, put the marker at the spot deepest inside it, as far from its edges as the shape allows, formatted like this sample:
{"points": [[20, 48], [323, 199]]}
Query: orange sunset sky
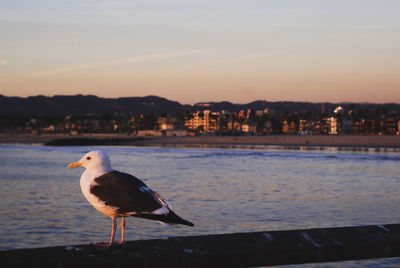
{"points": [[192, 51]]}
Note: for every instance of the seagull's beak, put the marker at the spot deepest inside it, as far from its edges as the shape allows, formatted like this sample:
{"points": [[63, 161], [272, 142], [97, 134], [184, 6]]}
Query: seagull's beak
{"points": [[74, 164]]}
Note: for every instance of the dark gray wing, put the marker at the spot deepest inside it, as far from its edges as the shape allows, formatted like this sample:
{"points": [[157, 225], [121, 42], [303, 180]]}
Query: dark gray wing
{"points": [[126, 192]]}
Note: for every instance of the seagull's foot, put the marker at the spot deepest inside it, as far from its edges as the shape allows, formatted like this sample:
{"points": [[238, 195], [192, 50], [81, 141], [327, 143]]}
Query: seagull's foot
{"points": [[101, 245], [105, 245]]}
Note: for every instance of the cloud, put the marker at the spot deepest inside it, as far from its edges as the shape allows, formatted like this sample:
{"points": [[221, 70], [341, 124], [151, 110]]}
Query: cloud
{"points": [[89, 66], [4, 62], [245, 58]]}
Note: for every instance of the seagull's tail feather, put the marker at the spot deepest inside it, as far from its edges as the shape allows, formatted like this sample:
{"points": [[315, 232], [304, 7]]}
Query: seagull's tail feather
{"points": [[170, 218]]}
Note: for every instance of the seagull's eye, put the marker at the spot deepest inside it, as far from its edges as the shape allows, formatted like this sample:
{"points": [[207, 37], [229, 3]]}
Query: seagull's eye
{"points": [[88, 158]]}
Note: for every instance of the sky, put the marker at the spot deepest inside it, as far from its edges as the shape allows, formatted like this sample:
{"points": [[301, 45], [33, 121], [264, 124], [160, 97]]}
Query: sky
{"points": [[202, 50]]}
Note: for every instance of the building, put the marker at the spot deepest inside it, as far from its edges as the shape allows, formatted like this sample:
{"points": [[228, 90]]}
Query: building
{"points": [[318, 127], [203, 121], [233, 126], [305, 127], [285, 127], [166, 123], [249, 128], [290, 127], [398, 128], [347, 126], [391, 126], [334, 128], [268, 129]]}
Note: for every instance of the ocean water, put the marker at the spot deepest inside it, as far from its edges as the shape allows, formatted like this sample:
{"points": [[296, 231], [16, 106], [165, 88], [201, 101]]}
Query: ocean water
{"points": [[220, 190]]}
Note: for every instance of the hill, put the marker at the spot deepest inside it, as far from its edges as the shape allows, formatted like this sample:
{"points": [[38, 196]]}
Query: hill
{"points": [[38, 106], [79, 104]]}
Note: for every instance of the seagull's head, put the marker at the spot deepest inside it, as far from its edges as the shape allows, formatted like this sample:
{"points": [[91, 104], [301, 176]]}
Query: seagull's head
{"points": [[94, 160]]}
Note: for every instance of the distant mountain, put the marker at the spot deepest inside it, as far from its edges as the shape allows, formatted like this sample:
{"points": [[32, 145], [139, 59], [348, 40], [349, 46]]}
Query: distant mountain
{"points": [[79, 104]]}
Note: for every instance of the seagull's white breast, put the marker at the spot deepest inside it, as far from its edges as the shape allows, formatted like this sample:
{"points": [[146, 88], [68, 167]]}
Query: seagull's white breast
{"points": [[86, 182]]}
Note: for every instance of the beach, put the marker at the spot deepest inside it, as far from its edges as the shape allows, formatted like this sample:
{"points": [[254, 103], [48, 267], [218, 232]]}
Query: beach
{"points": [[371, 141]]}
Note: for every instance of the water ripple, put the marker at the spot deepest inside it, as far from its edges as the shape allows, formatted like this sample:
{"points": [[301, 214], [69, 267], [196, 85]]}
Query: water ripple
{"points": [[220, 190]]}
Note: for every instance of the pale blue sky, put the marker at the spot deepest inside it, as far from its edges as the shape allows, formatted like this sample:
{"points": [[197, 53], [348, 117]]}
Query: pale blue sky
{"points": [[193, 51]]}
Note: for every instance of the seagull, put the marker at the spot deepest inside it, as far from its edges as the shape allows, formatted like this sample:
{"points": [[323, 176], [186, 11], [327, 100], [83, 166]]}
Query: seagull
{"points": [[119, 195]]}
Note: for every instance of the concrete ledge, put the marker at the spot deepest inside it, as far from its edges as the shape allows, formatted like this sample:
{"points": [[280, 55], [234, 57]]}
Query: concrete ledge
{"points": [[226, 250]]}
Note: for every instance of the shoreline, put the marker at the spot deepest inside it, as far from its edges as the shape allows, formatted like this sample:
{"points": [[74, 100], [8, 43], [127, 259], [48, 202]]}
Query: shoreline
{"points": [[373, 141], [280, 140]]}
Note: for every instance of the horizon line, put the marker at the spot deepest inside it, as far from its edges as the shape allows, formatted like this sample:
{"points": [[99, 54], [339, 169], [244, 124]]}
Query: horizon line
{"points": [[200, 102]]}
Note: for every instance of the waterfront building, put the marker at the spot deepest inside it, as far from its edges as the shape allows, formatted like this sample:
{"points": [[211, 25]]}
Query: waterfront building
{"points": [[203, 121]]}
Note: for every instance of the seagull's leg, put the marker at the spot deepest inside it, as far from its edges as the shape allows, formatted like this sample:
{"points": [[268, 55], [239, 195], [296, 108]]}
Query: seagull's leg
{"points": [[122, 230], [114, 227]]}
